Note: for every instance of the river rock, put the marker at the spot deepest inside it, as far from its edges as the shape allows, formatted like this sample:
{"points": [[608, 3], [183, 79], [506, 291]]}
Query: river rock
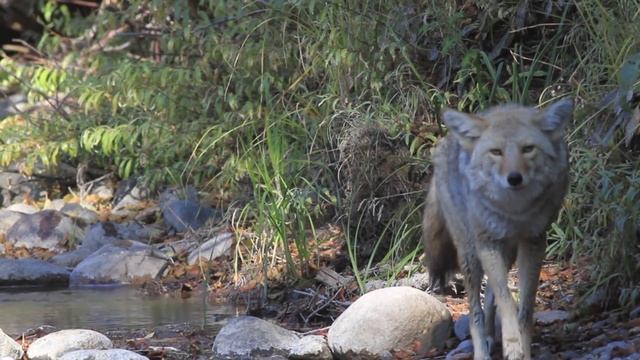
{"points": [[613, 350], [138, 232], [8, 218], [464, 350], [549, 317], [310, 347], [417, 280], [103, 192], [9, 348], [104, 189], [73, 257], [15, 186], [462, 331], [14, 272], [79, 213], [105, 233], [182, 215], [212, 249], [23, 208], [129, 197], [15, 103], [248, 337], [461, 327], [177, 248], [11, 180], [119, 265], [100, 234], [46, 229], [395, 318], [111, 354], [54, 345], [55, 204], [175, 193]]}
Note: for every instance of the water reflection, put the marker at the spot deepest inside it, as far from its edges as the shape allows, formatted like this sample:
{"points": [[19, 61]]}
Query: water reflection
{"points": [[103, 309]]}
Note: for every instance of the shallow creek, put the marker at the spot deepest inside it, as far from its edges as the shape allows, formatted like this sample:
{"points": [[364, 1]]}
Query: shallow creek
{"points": [[103, 309]]}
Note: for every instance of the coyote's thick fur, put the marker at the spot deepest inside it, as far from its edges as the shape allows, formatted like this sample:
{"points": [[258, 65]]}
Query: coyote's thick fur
{"points": [[499, 181]]}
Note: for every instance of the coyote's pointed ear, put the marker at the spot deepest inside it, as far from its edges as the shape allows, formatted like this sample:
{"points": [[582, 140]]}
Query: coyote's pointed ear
{"points": [[466, 127], [556, 116]]}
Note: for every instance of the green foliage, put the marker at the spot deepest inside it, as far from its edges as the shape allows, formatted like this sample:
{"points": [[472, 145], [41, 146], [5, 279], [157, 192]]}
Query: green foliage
{"points": [[276, 94], [603, 226]]}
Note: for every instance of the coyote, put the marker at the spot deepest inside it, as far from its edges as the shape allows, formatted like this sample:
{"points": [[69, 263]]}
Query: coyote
{"points": [[499, 181]]}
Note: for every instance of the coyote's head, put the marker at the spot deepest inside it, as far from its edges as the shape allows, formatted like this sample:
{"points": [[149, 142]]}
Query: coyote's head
{"points": [[515, 152]]}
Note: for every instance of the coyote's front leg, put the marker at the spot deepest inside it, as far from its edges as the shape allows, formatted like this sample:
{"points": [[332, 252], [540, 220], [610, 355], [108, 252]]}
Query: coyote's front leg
{"points": [[530, 256], [492, 256]]}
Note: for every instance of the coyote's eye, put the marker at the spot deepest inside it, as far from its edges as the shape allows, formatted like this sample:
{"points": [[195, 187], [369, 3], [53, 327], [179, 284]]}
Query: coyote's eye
{"points": [[496, 152], [527, 149]]}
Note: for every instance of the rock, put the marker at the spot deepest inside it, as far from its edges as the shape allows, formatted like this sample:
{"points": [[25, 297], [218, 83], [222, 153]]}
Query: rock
{"points": [[177, 248], [248, 337], [103, 192], [54, 345], [212, 249], [616, 349], [375, 284], [118, 265], [549, 317], [15, 186], [14, 272], [182, 215], [55, 204], [8, 218], [100, 234], [310, 347], [79, 213], [182, 210], [595, 301], [464, 350], [139, 232], [73, 257], [418, 280], [461, 327], [105, 233], [104, 189], [23, 208], [9, 348], [545, 352], [129, 196], [148, 215], [15, 103], [383, 320], [2, 249], [46, 229], [111, 354], [462, 331], [47, 171], [173, 193]]}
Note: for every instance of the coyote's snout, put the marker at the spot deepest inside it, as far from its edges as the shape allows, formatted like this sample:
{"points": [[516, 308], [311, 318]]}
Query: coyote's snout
{"points": [[499, 181]]}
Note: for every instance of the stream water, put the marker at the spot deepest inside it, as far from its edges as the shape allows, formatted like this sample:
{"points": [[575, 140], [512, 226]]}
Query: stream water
{"points": [[103, 309]]}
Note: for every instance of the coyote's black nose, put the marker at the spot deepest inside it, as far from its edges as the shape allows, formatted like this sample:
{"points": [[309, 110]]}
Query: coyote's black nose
{"points": [[514, 178]]}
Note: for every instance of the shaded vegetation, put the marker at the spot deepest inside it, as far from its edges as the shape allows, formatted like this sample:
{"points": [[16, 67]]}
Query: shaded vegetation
{"points": [[327, 110]]}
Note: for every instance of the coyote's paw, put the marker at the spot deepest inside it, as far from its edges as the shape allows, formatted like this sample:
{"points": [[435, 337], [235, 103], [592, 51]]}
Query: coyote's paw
{"points": [[512, 349]]}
